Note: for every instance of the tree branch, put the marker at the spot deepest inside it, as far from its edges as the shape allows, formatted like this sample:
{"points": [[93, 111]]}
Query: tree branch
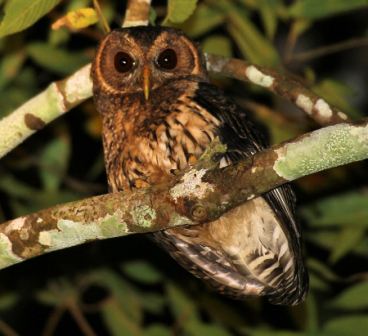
{"points": [[200, 195], [63, 95], [58, 98], [137, 13], [280, 84]]}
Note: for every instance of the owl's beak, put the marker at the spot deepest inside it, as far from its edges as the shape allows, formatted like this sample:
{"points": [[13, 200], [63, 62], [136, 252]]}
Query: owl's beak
{"points": [[146, 82]]}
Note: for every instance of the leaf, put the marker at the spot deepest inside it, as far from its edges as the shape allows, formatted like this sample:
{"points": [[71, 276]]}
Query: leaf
{"points": [[218, 45], [316, 9], [153, 303], [8, 300], [57, 293], [196, 328], [355, 297], [10, 66], [181, 306], [179, 10], [318, 267], [345, 209], [204, 19], [142, 271], [124, 294], [347, 240], [21, 14], [347, 325], [157, 330], [54, 162], [118, 322], [56, 60], [77, 19], [268, 13], [253, 45]]}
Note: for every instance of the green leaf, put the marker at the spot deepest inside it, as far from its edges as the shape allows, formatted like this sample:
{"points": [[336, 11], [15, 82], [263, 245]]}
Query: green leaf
{"points": [[9, 67], [54, 162], [268, 332], [179, 10], [124, 294], [20, 14], [181, 305], [152, 16], [142, 271], [57, 293], [316, 266], [253, 45], [218, 45], [117, 320], [347, 240], [204, 19], [8, 300], [196, 328], [347, 325], [355, 297], [153, 303], [317, 9], [157, 330], [345, 209], [268, 13], [67, 62]]}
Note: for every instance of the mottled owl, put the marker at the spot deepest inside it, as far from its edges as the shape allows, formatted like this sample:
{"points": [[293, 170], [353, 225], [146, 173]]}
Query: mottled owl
{"points": [[160, 113]]}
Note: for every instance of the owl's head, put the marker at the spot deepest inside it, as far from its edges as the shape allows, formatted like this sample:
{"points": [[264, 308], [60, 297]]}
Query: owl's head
{"points": [[141, 59]]}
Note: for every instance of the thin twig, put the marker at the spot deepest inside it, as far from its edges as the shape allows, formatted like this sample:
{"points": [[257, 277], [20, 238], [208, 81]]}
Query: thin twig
{"points": [[103, 20], [307, 56], [286, 87], [79, 318], [53, 320], [6, 329], [137, 13]]}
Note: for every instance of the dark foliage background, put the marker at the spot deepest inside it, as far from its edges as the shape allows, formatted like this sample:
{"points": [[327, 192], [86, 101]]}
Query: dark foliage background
{"points": [[128, 286]]}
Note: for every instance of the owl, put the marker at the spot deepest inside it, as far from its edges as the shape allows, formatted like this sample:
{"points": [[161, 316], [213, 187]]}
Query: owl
{"points": [[159, 114]]}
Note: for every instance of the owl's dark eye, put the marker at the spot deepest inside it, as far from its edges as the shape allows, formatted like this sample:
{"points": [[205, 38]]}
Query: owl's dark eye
{"points": [[167, 60], [123, 62]]}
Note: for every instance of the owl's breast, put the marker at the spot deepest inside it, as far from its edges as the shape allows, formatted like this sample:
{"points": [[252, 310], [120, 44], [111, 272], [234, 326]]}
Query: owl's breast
{"points": [[163, 143]]}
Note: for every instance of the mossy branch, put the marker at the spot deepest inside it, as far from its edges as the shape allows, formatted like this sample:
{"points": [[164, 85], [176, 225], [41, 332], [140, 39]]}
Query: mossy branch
{"points": [[201, 194]]}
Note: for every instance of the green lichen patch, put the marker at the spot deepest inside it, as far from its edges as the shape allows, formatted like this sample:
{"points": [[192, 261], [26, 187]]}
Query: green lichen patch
{"points": [[207, 158], [111, 226], [191, 185], [70, 233], [143, 216], [176, 220], [7, 257], [326, 148]]}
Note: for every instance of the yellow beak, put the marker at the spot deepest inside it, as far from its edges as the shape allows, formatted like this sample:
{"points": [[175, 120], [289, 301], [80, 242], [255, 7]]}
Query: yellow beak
{"points": [[146, 82]]}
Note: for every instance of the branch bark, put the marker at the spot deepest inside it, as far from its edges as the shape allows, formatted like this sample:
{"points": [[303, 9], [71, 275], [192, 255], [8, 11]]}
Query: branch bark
{"points": [[287, 87], [63, 95], [200, 195], [137, 13]]}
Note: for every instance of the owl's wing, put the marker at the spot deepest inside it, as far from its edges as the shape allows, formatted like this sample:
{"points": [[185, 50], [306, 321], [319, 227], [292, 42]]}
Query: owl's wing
{"points": [[243, 139]]}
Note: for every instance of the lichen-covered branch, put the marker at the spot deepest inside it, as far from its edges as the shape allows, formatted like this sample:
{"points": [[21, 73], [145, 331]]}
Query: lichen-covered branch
{"points": [[286, 87], [61, 96], [200, 195], [137, 13], [58, 98]]}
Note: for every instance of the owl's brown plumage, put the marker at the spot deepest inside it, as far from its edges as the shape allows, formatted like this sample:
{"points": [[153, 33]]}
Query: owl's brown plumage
{"points": [[159, 114]]}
